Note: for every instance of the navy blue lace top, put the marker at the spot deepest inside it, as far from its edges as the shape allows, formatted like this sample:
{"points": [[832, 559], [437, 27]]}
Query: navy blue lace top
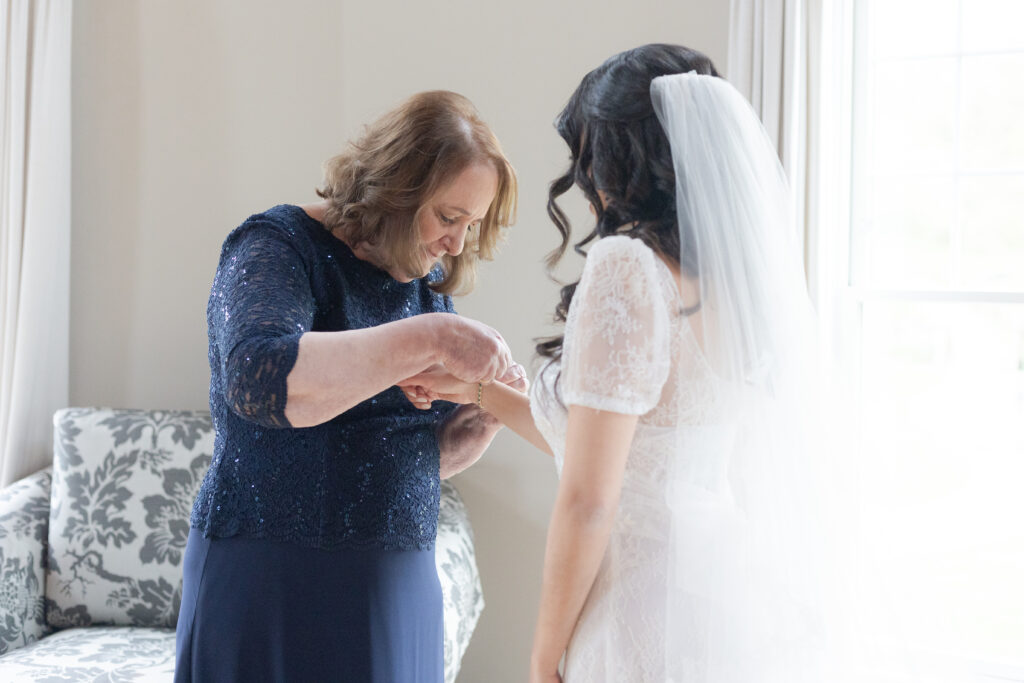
{"points": [[367, 478]]}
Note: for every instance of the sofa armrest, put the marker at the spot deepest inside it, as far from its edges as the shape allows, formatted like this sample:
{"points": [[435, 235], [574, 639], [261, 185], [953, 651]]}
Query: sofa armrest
{"points": [[24, 522], [455, 557]]}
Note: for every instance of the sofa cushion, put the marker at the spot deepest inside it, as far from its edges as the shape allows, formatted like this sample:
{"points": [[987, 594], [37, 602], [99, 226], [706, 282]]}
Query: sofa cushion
{"points": [[24, 513], [108, 653], [123, 486]]}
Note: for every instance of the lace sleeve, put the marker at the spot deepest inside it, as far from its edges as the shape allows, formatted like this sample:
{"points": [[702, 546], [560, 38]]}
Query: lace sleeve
{"points": [[260, 305], [616, 354], [443, 409]]}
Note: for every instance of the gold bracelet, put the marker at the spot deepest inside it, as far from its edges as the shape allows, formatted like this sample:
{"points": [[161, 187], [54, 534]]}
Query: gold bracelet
{"points": [[480, 394]]}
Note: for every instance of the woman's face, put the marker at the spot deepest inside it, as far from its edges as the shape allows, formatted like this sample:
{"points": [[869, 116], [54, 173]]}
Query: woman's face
{"points": [[454, 210]]}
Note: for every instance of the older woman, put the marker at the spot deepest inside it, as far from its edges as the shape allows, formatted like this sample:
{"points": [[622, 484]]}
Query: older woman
{"points": [[310, 556]]}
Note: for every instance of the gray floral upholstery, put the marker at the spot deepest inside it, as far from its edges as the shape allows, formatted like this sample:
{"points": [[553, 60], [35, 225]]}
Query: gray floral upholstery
{"points": [[107, 654], [123, 486], [24, 513], [460, 583], [102, 543]]}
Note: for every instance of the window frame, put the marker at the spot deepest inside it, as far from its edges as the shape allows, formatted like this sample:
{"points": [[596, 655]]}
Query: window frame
{"points": [[837, 248]]}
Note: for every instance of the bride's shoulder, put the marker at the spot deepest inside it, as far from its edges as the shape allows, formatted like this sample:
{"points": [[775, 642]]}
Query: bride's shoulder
{"points": [[620, 251]]}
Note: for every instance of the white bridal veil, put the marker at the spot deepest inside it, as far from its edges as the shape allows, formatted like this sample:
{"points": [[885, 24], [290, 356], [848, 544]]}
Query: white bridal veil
{"points": [[747, 560]]}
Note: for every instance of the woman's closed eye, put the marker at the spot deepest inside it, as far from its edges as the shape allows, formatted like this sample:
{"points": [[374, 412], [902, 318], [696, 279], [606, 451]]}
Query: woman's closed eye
{"points": [[447, 220]]}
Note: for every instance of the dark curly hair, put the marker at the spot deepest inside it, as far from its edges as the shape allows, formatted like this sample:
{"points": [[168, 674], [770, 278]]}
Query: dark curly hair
{"points": [[618, 146]]}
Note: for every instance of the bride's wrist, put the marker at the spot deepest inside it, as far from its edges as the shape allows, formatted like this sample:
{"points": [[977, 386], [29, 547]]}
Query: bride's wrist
{"points": [[543, 662], [485, 396]]}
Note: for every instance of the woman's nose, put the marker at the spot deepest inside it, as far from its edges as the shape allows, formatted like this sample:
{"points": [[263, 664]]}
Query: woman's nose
{"points": [[456, 241]]}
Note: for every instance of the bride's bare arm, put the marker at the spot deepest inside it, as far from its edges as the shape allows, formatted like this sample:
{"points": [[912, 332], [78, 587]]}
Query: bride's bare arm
{"points": [[597, 446], [510, 405], [513, 409]]}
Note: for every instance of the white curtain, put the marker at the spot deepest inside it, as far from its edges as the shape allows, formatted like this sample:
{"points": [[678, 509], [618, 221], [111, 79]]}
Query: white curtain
{"points": [[793, 60], [35, 228], [775, 60]]}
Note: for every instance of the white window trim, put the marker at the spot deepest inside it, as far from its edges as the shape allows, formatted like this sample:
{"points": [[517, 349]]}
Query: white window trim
{"points": [[839, 301]]}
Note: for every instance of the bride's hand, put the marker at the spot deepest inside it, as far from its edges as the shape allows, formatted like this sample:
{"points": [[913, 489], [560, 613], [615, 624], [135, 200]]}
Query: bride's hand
{"points": [[437, 384]]}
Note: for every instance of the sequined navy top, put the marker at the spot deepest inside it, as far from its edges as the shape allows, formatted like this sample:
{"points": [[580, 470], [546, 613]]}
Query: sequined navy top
{"points": [[367, 478]]}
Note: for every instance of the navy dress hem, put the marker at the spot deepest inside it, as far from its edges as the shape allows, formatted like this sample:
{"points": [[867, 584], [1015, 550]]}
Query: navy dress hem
{"points": [[373, 616]]}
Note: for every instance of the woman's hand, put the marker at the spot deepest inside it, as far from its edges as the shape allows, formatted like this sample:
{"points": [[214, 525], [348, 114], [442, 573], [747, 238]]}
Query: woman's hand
{"points": [[469, 350], [469, 430], [335, 371], [464, 437], [437, 384]]}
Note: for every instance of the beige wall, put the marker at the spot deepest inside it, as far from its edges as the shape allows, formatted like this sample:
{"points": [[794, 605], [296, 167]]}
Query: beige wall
{"points": [[189, 116]]}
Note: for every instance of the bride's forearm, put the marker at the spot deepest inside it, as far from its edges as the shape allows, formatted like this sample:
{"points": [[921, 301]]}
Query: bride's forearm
{"points": [[577, 538], [513, 409], [596, 451]]}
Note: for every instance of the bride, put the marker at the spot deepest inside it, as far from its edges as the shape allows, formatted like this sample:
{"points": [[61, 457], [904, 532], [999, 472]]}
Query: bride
{"points": [[679, 547]]}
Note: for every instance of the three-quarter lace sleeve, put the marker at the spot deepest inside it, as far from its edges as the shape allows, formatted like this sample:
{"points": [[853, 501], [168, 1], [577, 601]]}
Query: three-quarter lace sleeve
{"points": [[261, 304], [616, 349]]}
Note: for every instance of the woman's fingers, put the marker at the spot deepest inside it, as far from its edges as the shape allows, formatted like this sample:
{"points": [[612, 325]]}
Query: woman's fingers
{"points": [[471, 353], [521, 385], [417, 396], [435, 382], [514, 376], [437, 385]]}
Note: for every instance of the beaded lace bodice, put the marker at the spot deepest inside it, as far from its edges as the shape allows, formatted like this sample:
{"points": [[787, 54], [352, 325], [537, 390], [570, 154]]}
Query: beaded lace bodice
{"points": [[368, 477]]}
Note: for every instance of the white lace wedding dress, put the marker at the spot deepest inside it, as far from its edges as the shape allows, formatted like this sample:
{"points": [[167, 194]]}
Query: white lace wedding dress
{"points": [[629, 349]]}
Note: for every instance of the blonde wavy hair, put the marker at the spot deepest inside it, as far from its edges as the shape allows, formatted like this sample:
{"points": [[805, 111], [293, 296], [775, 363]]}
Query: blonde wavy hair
{"points": [[377, 187]]}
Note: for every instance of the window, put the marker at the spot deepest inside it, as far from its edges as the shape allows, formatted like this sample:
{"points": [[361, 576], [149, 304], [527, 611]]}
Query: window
{"points": [[935, 290]]}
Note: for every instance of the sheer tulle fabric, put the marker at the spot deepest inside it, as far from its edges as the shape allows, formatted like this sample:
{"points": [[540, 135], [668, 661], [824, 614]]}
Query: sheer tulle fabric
{"points": [[746, 557]]}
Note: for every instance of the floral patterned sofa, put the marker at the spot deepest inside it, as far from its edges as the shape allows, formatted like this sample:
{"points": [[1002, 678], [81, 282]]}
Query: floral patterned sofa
{"points": [[90, 553]]}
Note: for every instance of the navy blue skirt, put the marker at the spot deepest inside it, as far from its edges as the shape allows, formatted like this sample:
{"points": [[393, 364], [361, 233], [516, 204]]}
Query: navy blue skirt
{"points": [[256, 610]]}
